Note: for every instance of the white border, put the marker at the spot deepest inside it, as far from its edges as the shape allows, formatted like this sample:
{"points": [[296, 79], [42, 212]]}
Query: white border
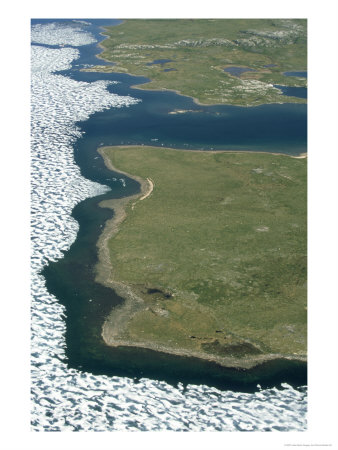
{"points": [[323, 226]]}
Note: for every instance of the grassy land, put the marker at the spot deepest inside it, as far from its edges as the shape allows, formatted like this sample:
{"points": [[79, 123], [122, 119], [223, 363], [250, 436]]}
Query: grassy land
{"points": [[215, 255], [199, 51]]}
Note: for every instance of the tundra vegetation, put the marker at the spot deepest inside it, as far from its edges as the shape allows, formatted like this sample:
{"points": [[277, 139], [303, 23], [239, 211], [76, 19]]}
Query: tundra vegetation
{"points": [[189, 56], [214, 259]]}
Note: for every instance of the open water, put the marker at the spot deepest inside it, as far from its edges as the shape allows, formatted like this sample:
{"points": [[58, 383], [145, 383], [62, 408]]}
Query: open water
{"points": [[77, 383]]}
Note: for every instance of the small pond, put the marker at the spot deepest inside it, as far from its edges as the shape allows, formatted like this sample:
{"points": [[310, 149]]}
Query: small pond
{"points": [[296, 74], [159, 61], [237, 71]]}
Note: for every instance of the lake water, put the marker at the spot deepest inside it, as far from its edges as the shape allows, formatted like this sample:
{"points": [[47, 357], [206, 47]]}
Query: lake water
{"points": [[296, 74], [294, 91], [71, 366], [237, 71], [159, 61]]}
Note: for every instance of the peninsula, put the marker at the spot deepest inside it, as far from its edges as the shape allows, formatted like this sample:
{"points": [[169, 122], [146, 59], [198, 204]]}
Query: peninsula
{"points": [[210, 255], [215, 61]]}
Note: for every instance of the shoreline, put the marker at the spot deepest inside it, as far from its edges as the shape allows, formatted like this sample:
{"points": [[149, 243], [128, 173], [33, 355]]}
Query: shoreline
{"points": [[104, 267], [117, 319], [302, 155], [194, 99]]}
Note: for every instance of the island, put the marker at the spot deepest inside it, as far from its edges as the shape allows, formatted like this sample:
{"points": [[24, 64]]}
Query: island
{"points": [[209, 256], [243, 62]]}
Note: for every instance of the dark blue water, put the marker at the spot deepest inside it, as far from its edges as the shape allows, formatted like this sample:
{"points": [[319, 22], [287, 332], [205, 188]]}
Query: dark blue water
{"points": [[237, 71], [277, 128], [291, 91], [270, 65], [296, 74], [159, 61]]}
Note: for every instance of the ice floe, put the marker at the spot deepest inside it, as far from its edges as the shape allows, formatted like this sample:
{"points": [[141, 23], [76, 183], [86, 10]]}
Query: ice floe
{"points": [[61, 34], [66, 399]]}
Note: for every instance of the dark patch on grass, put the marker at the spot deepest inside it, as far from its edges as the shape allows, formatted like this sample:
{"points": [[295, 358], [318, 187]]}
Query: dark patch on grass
{"points": [[236, 350], [229, 243], [158, 291]]}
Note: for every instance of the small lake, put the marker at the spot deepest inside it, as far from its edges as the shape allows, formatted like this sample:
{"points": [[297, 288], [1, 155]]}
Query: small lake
{"points": [[296, 74], [159, 61], [237, 71]]}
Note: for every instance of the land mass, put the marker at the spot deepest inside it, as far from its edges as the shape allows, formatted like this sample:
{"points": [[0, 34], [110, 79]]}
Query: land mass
{"points": [[214, 61], [210, 256]]}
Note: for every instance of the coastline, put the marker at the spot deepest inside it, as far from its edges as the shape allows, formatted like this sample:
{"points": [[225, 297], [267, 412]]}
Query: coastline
{"points": [[302, 155], [194, 99], [116, 321], [104, 266]]}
